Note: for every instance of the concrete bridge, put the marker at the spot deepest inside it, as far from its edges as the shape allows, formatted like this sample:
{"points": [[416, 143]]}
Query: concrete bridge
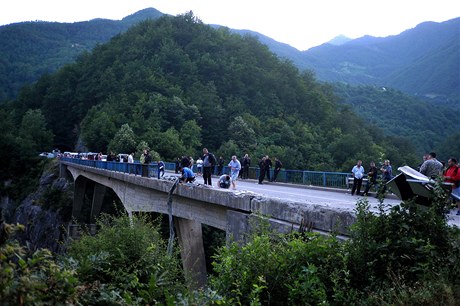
{"points": [[195, 204]]}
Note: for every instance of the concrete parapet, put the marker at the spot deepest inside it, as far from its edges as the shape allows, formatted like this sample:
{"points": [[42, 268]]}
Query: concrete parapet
{"points": [[287, 214]]}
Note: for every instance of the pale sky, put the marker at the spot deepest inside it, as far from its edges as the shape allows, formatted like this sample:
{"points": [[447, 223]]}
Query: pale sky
{"points": [[300, 23]]}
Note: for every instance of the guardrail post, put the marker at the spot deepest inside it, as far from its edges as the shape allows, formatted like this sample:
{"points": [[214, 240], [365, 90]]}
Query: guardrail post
{"points": [[324, 179]]}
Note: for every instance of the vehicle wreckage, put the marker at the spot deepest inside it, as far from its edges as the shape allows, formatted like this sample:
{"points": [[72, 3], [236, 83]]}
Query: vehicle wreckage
{"points": [[411, 184]]}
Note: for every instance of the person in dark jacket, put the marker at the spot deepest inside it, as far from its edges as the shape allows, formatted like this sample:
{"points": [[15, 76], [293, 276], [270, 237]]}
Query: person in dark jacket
{"points": [[185, 162], [262, 170], [278, 166], [268, 165], [220, 165], [177, 165], [246, 164], [371, 177], [146, 160], [111, 157], [209, 161]]}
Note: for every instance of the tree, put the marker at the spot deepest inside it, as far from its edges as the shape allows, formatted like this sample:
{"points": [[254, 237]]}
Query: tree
{"points": [[242, 135], [229, 148], [33, 134], [124, 140], [168, 144], [9, 150], [98, 129], [190, 135]]}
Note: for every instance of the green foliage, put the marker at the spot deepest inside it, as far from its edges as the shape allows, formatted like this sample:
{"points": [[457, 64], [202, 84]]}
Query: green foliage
{"points": [[414, 121], [9, 146], [128, 254], [98, 129], [404, 255], [32, 279], [190, 136], [30, 49], [34, 137], [278, 270], [450, 147], [167, 143], [182, 85], [124, 140], [243, 136], [409, 250], [422, 61]]}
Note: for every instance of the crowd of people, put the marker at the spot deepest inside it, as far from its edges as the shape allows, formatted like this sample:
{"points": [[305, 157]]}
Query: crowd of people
{"points": [[358, 175], [207, 163], [430, 167]]}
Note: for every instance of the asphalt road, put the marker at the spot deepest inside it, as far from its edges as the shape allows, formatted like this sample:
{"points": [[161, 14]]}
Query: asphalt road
{"points": [[311, 195]]}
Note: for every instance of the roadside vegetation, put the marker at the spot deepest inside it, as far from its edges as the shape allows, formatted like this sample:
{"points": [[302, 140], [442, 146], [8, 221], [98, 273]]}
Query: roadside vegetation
{"points": [[406, 255]]}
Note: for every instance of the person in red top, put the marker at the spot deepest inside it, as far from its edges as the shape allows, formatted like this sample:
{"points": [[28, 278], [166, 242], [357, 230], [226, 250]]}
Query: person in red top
{"points": [[452, 175]]}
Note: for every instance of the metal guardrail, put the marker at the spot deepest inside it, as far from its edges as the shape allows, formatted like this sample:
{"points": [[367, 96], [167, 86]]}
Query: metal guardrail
{"points": [[310, 178]]}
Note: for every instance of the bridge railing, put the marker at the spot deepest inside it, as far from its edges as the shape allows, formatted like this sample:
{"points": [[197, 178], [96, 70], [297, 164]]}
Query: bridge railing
{"points": [[302, 177]]}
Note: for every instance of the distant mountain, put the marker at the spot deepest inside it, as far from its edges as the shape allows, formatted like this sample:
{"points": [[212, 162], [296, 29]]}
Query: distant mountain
{"points": [[31, 49], [339, 40], [280, 49], [423, 61]]}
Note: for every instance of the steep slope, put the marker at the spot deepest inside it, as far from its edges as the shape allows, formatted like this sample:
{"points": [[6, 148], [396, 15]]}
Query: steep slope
{"points": [[422, 61], [30, 49], [181, 85], [400, 115]]}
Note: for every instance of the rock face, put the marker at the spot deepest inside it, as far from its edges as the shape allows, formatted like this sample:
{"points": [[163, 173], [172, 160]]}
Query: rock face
{"points": [[43, 213]]}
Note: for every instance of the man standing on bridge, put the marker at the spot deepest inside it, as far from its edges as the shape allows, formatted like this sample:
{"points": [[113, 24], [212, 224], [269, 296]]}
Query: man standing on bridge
{"points": [[431, 167], [209, 160], [235, 167], [371, 178], [358, 173], [261, 170]]}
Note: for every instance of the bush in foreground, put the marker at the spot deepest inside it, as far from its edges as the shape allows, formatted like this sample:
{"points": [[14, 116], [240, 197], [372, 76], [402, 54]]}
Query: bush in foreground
{"points": [[128, 259]]}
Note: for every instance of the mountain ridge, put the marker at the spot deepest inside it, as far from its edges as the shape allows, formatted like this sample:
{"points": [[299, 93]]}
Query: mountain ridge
{"points": [[420, 61]]}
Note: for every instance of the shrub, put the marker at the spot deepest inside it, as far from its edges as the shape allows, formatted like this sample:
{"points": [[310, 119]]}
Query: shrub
{"points": [[408, 249], [129, 257], [279, 269], [33, 279]]}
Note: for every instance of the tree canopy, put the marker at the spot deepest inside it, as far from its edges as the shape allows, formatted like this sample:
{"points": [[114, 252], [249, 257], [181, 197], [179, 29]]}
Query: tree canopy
{"points": [[180, 84]]}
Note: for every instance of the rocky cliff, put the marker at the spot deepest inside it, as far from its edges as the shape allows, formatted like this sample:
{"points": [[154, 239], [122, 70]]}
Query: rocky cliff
{"points": [[45, 213]]}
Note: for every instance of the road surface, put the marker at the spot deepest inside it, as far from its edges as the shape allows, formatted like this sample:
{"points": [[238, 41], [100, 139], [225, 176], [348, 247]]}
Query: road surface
{"points": [[329, 197]]}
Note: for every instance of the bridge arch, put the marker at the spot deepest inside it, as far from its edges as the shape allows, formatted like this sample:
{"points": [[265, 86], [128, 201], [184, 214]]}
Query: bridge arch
{"points": [[194, 205]]}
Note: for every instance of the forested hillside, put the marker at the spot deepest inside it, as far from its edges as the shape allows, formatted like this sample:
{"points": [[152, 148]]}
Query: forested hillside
{"points": [[30, 49], [427, 125], [422, 61], [180, 85]]}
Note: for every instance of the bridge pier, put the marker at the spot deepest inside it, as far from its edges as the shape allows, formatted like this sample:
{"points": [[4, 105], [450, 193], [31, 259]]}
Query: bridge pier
{"points": [[98, 198], [237, 226], [79, 197], [63, 171], [190, 237]]}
